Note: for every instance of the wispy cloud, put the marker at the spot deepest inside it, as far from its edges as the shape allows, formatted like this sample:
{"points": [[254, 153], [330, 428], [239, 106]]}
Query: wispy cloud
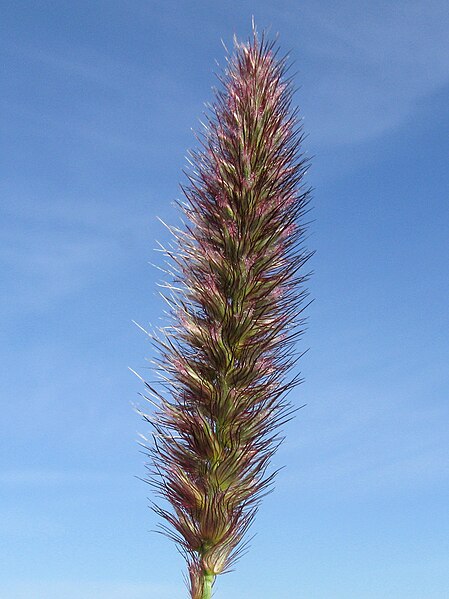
{"points": [[18, 524], [57, 477], [92, 130], [348, 471], [368, 65], [44, 267], [89, 96], [75, 589], [369, 445], [51, 250], [87, 64]]}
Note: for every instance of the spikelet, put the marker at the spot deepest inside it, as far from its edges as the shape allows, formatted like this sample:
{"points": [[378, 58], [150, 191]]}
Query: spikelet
{"points": [[236, 300]]}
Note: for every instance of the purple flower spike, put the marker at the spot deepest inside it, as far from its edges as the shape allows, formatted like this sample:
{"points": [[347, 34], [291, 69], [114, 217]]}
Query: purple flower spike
{"points": [[236, 301]]}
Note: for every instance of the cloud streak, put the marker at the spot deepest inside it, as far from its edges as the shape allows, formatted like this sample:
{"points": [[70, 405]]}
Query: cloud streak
{"points": [[89, 590], [371, 64], [53, 249]]}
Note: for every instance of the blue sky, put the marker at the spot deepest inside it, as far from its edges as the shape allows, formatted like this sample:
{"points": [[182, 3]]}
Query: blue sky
{"points": [[98, 101]]}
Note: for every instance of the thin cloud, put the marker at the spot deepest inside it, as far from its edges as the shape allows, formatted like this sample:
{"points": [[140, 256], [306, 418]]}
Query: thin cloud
{"points": [[57, 477], [46, 266], [74, 589], [90, 66], [369, 66], [53, 249]]}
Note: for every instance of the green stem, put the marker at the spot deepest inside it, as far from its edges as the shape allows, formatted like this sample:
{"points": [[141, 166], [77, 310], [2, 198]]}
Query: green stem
{"points": [[208, 581]]}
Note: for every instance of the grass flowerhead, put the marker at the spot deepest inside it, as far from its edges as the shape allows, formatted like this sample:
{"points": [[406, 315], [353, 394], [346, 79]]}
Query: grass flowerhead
{"points": [[236, 295]]}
